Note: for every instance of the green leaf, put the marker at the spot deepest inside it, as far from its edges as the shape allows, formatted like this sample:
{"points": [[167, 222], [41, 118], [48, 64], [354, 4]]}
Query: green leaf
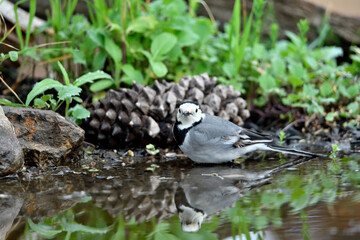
{"points": [[310, 91], [91, 77], [278, 66], [13, 56], [40, 88], [162, 44], [113, 50], [159, 68], [297, 71], [203, 28], [330, 116], [99, 60], [229, 69], [267, 82], [353, 107], [352, 91], [141, 24], [76, 227], [38, 102], [325, 89], [331, 52], [96, 37], [295, 82], [6, 102], [43, 229], [64, 73], [258, 51], [187, 38], [101, 85], [132, 75], [79, 112], [66, 92], [311, 62]]}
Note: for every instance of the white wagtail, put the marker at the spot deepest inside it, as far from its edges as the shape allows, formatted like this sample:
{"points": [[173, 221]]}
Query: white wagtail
{"points": [[210, 139]]}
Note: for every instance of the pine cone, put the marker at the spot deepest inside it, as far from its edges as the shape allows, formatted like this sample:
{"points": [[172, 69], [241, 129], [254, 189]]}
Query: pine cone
{"points": [[145, 114]]}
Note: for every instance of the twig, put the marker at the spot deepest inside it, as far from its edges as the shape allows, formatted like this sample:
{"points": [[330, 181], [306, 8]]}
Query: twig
{"points": [[208, 10], [292, 124], [11, 90]]}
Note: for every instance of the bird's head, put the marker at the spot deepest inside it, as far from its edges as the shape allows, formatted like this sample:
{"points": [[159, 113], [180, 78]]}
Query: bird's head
{"points": [[190, 218], [189, 113]]}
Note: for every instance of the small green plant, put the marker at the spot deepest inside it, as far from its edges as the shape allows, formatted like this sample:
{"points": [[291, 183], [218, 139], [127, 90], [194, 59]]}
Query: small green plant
{"points": [[333, 151], [150, 148], [152, 167], [281, 138], [67, 93]]}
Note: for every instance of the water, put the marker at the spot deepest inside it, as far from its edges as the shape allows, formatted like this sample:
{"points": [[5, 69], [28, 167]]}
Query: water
{"points": [[267, 198]]}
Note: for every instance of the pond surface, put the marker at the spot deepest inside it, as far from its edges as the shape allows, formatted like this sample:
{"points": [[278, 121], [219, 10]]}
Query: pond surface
{"points": [[266, 198]]}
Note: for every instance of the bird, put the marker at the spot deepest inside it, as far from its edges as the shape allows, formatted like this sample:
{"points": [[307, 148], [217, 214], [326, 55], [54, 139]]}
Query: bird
{"points": [[206, 138]]}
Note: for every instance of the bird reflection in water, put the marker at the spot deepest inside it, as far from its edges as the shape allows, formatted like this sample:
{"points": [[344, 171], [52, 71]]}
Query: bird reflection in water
{"points": [[207, 190]]}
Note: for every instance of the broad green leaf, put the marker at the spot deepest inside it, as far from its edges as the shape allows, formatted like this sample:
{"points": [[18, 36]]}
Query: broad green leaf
{"points": [[91, 77], [79, 57], [297, 71], [64, 73], [187, 38], [99, 60], [173, 8], [325, 89], [159, 68], [14, 56], [132, 74], [101, 85], [267, 82], [353, 107], [352, 91], [141, 24], [310, 91], [294, 38], [258, 51], [311, 62], [330, 116], [96, 36], [295, 82], [278, 66], [113, 50], [38, 102], [331, 52], [162, 44], [40, 88], [43, 229], [229, 69], [65, 92], [203, 28], [79, 112]]}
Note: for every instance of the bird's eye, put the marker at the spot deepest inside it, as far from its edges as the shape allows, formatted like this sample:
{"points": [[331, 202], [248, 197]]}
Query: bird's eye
{"points": [[196, 110], [179, 110]]}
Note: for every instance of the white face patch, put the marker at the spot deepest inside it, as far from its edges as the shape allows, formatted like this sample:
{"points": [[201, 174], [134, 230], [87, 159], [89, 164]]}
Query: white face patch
{"points": [[188, 114]]}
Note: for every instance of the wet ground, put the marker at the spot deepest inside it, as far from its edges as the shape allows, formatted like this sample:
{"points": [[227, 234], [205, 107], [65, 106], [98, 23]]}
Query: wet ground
{"points": [[113, 197]]}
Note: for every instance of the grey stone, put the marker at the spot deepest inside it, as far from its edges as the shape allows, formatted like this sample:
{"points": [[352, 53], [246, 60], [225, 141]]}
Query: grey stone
{"points": [[11, 155], [47, 138]]}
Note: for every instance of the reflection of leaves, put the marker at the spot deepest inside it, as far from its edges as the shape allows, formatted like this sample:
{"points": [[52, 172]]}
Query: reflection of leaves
{"points": [[43, 229]]}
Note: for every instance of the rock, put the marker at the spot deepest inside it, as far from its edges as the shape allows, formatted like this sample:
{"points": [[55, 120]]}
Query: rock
{"points": [[47, 138], [11, 201], [11, 155]]}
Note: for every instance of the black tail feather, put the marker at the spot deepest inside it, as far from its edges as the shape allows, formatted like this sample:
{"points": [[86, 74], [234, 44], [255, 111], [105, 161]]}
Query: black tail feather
{"points": [[294, 151]]}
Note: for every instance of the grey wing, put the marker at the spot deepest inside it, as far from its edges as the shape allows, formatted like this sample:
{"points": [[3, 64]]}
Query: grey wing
{"points": [[214, 129], [249, 137]]}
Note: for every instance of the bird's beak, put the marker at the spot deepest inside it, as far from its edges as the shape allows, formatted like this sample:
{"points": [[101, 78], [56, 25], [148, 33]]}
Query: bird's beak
{"points": [[186, 113]]}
